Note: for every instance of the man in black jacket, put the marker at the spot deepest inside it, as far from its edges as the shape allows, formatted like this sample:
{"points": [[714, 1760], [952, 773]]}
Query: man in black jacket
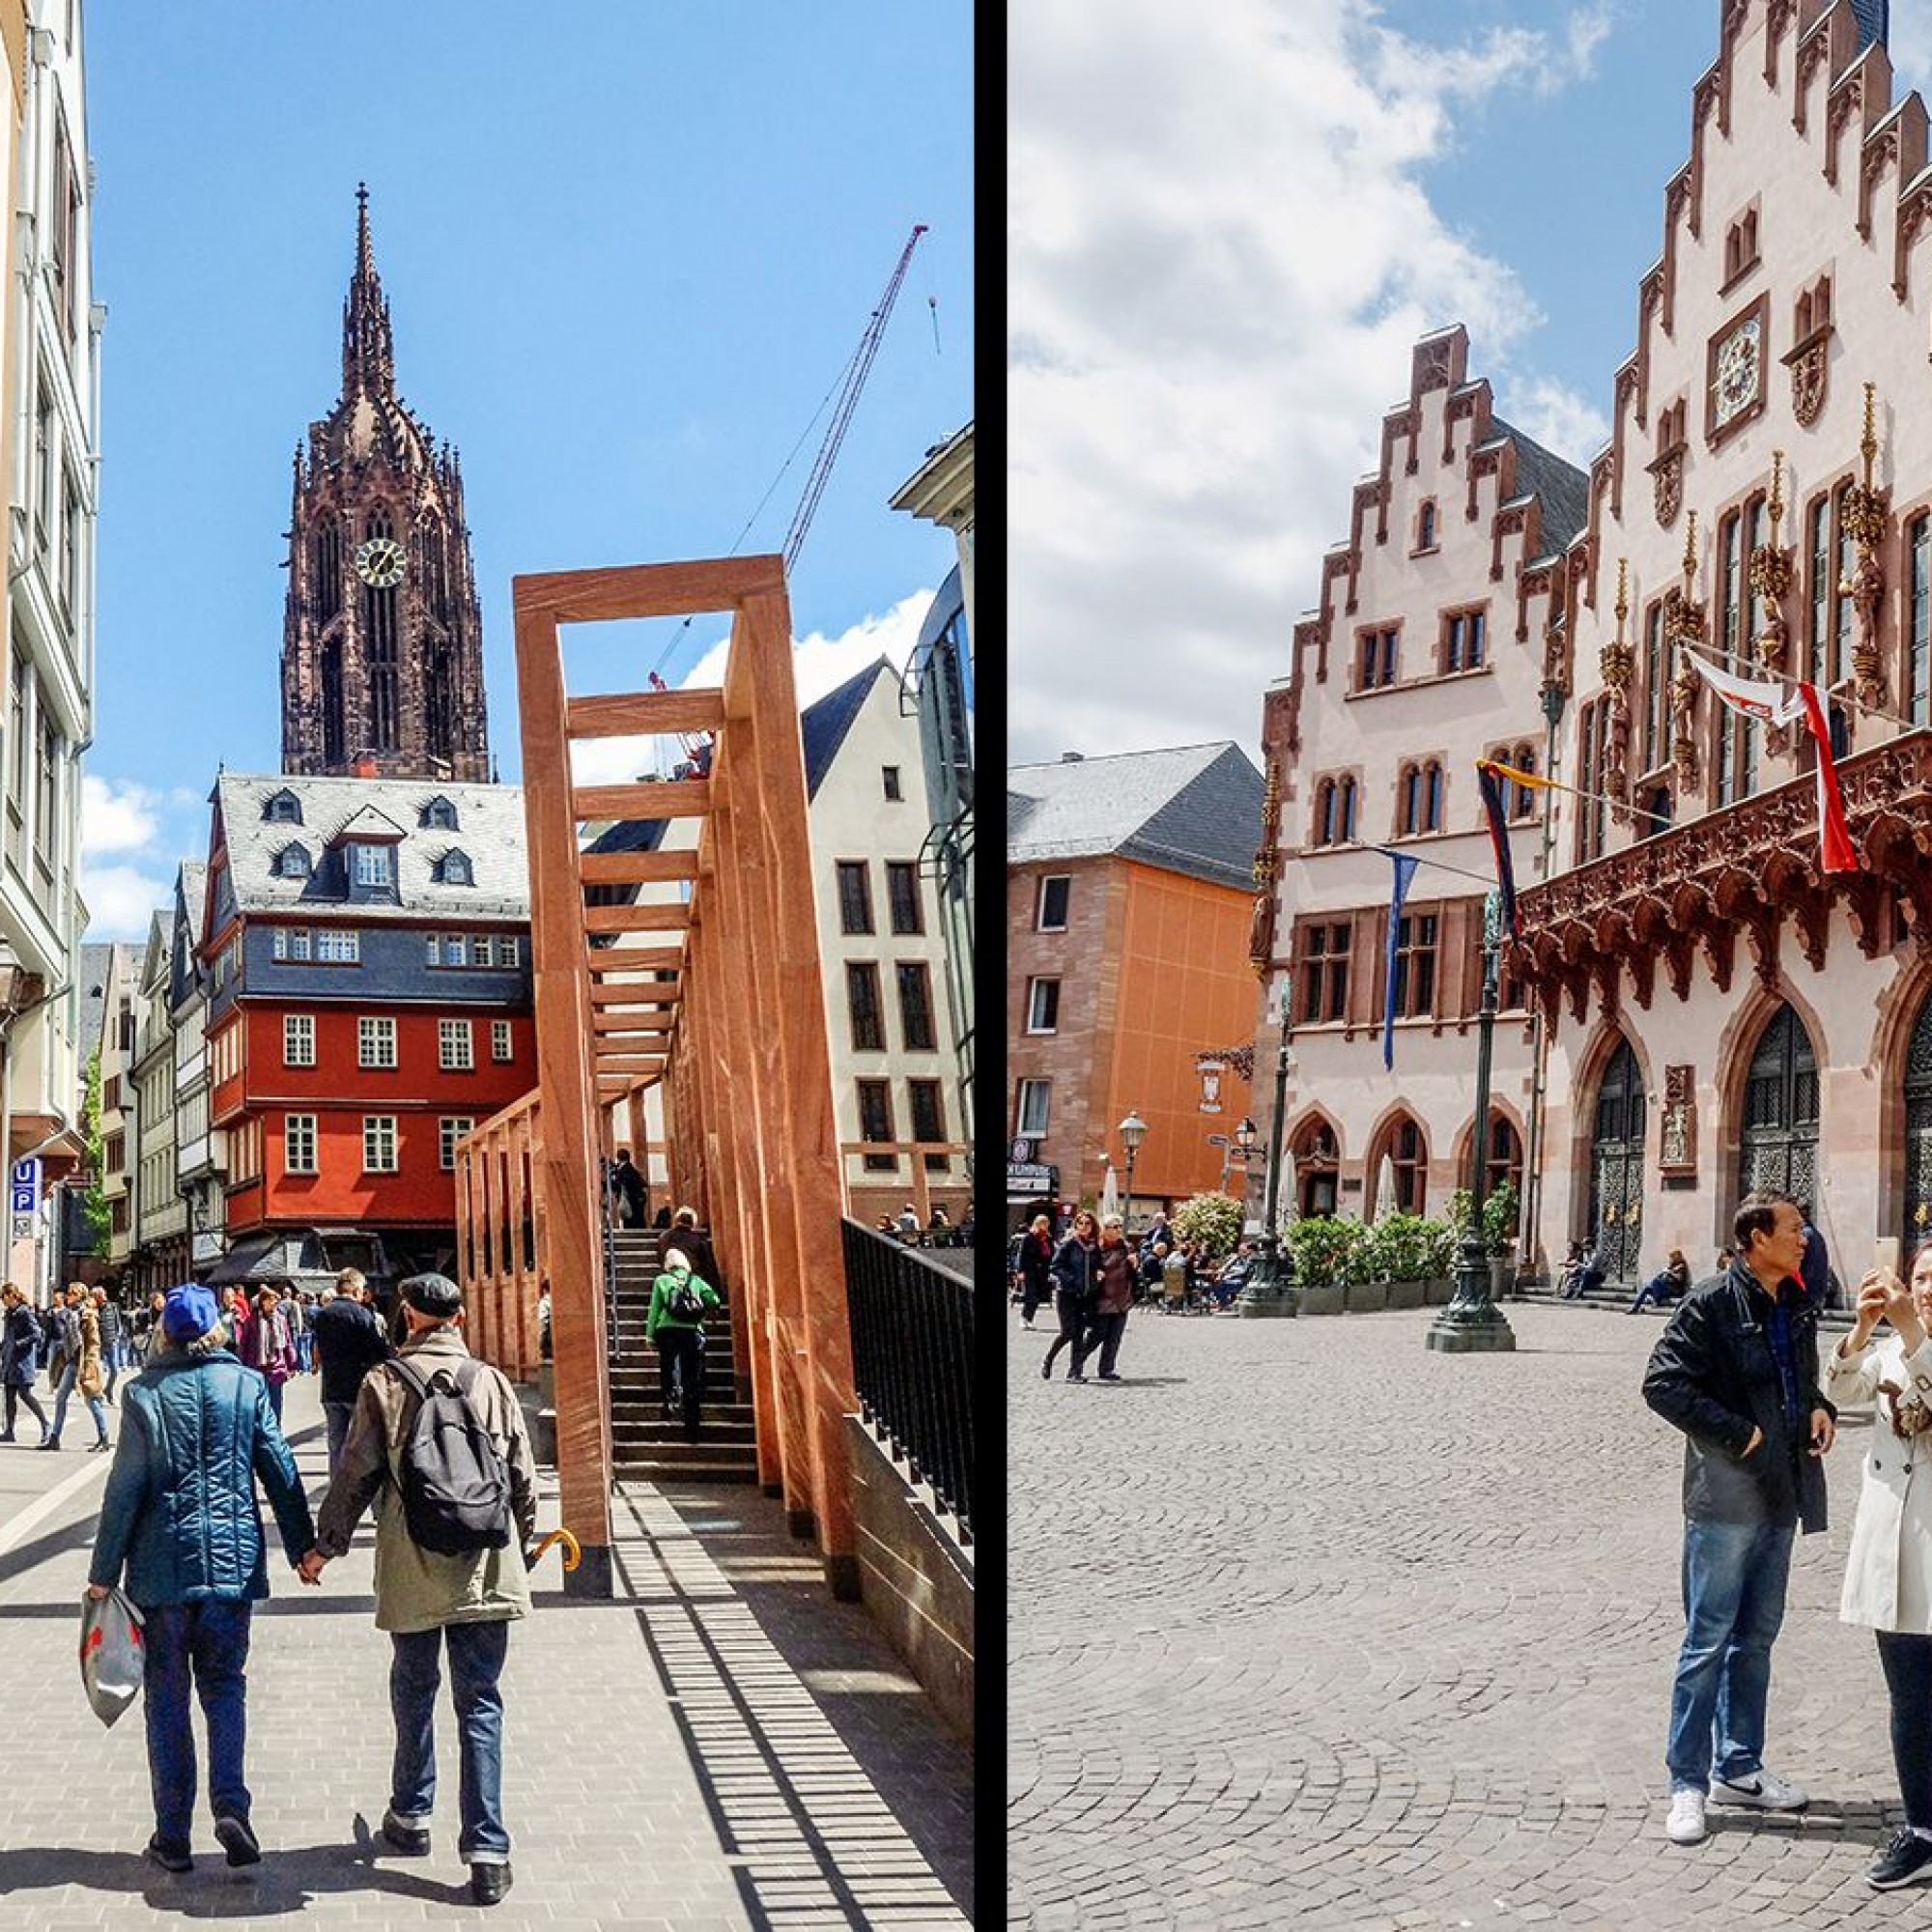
{"points": [[348, 1342], [1737, 1371]]}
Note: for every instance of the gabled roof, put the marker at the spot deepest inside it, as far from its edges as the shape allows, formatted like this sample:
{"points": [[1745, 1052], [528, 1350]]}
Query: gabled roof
{"points": [[93, 961], [1561, 488], [369, 823], [194, 896], [1189, 809], [492, 834], [823, 725]]}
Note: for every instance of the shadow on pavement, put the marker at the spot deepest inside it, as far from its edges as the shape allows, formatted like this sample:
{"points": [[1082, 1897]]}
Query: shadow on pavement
{"points": [[286, 1880]]}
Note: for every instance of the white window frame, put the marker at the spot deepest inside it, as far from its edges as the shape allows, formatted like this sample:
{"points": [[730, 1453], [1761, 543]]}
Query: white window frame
{"points": [[1034, 988], [376, 1042], [379, 1139], [482, 950], [451, 1128], [1039, 923], [374, 865], [502, 1042], [456, 1046], [509, 951], [298, 1040], [341, 945], [300, 1130], [1025, 1111], [433, 944]]}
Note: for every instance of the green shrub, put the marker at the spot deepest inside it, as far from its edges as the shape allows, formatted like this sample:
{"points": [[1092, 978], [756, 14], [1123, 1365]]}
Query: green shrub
{"points": [[1409, 1247], [1501, 1212], [1212, 1219], [1329, 1249]]}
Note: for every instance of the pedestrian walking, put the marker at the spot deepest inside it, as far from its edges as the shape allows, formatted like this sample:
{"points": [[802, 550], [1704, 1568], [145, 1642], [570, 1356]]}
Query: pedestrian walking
{"points": [[265, 1345], [1736, 1370], [300, 1310], [108, 1312], [675, 1325], [154, 1338], [1888, 1571], [1113, 1297], [1035, 1268], [78, 1353], [630, 1186], [348, 1342], [686, 1234], [430, 1600], [62, 1322], [19, 1348], [1670, 1283], [1074, 1282], [179, 1515]]}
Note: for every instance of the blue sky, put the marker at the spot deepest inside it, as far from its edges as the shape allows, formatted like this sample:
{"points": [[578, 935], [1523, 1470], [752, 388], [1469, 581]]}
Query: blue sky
{"points": [[627, 256], [1228, 226]]}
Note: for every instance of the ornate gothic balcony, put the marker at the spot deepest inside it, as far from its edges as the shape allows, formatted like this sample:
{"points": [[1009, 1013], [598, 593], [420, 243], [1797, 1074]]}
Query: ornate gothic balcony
{"points": [[1739, 870]]}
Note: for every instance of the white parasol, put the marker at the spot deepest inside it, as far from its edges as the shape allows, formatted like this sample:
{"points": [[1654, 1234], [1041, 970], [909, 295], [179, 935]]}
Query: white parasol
{"points": [[1385, 1201], [1110, 1194], [1286, 1210]]}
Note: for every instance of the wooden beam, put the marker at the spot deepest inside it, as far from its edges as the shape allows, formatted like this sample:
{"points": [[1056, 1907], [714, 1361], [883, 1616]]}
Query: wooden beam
{"points": [[630, 1065], [637, 918], [646, 590], [605, 960], [644, 993], [644, 714], [673, 798], [636, 868]]}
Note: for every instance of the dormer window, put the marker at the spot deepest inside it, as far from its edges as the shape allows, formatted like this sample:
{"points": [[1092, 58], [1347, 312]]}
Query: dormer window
{"points": [[372, 865], [292, 861], [440, 816], [284, 808], [456, 870]]}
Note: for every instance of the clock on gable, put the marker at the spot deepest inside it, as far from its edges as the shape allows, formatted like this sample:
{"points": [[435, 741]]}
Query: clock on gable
{"points": [[1736, 377]]}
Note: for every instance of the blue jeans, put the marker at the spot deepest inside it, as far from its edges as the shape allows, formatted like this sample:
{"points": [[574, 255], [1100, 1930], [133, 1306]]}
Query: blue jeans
{"points": [[476, 1653], [1734, 1579], [212, 1636], [96, 1408]]}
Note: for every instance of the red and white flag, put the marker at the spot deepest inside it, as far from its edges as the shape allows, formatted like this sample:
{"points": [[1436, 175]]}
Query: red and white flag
{"points": [[1770, 701]]}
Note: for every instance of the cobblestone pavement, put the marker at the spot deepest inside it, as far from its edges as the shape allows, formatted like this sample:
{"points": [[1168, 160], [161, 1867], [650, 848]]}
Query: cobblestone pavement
{"points": [[1311, 1626], [721, 1745]]}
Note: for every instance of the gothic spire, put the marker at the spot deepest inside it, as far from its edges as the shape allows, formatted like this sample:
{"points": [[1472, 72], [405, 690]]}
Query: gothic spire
{"points": [[368, 353]]}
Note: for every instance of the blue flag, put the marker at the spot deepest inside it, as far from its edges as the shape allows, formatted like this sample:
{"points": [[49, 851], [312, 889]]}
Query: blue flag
{"points": [[1405, 871], [1490, 788]]}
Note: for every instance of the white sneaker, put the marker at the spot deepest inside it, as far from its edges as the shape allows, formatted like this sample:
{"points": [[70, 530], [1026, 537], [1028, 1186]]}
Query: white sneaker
{"points": [[1685, 1824], [1762, 1791]]}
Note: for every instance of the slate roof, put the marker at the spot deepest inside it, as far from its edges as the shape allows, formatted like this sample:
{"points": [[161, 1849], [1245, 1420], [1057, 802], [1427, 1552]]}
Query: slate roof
{"points": [[823, 725], [1562, 489], [93, 959], [490, 830], [194, 895], [1189, 809]]}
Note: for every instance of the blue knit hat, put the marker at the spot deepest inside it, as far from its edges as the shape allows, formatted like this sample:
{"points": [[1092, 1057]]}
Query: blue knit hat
{"points": [[189, 1312]]}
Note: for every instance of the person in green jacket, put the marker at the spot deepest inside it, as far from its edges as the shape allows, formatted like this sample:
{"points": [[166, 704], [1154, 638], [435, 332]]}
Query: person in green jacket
{"points": [[679, 1299]]}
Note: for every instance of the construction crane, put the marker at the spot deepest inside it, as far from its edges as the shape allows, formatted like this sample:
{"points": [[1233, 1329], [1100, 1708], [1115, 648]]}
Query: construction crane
{"points": [[697, 746]]}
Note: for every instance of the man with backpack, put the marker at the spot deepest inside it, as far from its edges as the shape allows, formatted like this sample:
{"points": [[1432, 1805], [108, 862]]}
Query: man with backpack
{"points": [[437, 1442], [675, 1324]]}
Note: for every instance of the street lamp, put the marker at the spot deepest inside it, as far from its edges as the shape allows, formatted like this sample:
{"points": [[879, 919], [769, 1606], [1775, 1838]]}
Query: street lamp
{"points": [[1227, 1148], [1472, 1323], [1264, 1292], [1132, 1131]]}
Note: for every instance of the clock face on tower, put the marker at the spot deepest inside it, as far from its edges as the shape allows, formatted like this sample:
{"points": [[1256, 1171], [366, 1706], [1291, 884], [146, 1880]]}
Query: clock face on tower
{"points": [[1737, 371], [379, 562]]}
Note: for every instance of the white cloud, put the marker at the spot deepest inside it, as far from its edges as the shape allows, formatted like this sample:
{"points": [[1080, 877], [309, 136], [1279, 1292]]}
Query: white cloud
{"points": [[1221, 257], [1559, 418], [819, 664], [116, 817], [121, 899]]}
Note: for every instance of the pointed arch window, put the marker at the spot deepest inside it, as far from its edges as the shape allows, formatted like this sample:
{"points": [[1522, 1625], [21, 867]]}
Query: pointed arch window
{"points": [[1406, 1154], [380, 646], [1347, 811], [1778, 1149], [1324, 813]]}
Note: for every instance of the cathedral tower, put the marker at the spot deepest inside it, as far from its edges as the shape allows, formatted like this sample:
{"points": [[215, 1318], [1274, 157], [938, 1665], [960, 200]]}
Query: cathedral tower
{"points": [[382, 645]]}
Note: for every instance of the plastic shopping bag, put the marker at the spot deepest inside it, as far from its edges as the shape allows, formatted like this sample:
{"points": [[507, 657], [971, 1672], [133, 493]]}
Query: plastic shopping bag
{"points": [[112, 1657]]}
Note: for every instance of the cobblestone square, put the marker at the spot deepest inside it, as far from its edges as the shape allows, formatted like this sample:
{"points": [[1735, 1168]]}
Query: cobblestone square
{"points": [[1308, 1625]]}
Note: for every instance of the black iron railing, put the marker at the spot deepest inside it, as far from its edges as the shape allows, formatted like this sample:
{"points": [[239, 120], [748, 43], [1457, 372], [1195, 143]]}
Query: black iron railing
{"points": [[912, 1361]]}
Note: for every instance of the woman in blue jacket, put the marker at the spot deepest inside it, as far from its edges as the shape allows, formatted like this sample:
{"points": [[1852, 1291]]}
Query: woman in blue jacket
{"points": [[179, 1515], [20, 1359]]}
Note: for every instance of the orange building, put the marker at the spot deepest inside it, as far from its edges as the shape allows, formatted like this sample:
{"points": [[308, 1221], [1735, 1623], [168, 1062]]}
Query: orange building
{"points": [[1129, 896]]}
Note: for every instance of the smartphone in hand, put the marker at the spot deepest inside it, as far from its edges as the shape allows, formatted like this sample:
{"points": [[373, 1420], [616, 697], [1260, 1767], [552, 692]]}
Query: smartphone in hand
{"points": [[1884, 1254]]}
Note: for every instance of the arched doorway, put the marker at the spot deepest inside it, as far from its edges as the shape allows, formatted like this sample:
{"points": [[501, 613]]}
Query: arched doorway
{"points": [[1778, 1149], [1317, 1166], [1402, 1149], [1617, 1164], [1919, 1130]]}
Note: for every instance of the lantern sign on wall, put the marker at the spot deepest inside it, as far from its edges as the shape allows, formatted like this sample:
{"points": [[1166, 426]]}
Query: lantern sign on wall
{"points": [[1210, 1070]]}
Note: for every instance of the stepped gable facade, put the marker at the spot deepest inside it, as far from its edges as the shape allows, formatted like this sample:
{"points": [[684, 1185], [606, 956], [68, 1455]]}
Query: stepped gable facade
{"points": [[381, 646], [1721, 1012], [1427, 651]]}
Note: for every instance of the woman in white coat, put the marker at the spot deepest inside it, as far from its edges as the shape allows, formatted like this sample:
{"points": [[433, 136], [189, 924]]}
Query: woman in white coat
{"points": [[1888, 1572]]}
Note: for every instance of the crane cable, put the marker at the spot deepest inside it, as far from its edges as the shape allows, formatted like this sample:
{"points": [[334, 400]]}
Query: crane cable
{"points": [[850, 381]]}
